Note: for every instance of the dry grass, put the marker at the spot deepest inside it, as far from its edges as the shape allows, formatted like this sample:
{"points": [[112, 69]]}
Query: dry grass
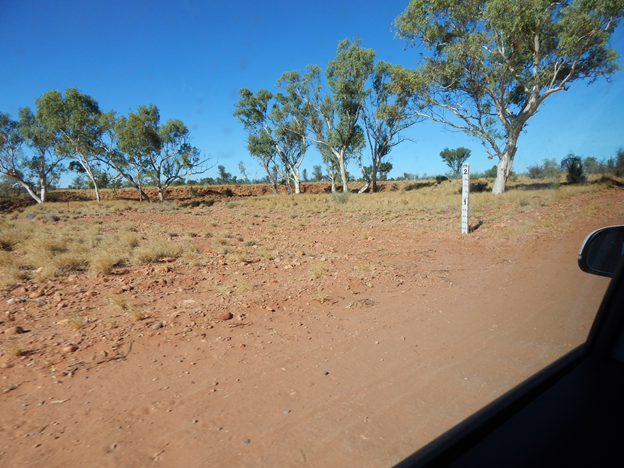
{"points": [[317, 269], [238, 257], [9, 236], [59, 239], [244, 286], [319, 297], [12, 347], [73, 322], [191, 254], [155, 250], [133, 312], [10, 272], [437, 200]]}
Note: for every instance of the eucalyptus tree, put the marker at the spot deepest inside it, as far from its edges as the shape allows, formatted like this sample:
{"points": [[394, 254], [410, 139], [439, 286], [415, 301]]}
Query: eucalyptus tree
{"points": [[243, 171], [455, 158], [75, 121], [331, 117], [260, 146], [317, 173], [11, 156], [164, 151], [275, 136], [490, 64], [36, 168], [13, 162], [385, 115], [129, 165]]}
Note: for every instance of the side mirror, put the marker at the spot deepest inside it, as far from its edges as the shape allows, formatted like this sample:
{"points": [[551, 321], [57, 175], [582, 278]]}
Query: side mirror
{"points": [[601, 251]]}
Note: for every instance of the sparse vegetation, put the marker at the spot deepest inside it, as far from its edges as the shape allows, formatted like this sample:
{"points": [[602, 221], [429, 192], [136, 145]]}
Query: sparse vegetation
{"points": [[57, 239], [317, 269], [574, 166], [341, 198], [12, 347]]}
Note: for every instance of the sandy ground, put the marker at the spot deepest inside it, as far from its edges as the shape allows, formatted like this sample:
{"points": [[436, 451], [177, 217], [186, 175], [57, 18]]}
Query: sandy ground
{"points": [[405, 333]]}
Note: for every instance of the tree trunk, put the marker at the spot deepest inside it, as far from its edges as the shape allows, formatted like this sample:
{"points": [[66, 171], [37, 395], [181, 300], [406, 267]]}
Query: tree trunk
{"points": [[87, 167], [97, 191], [42, 191], [161, 194], [343, 174], [297, 184], [30, 191], [143, 195], [374, 170], [505, 162]]}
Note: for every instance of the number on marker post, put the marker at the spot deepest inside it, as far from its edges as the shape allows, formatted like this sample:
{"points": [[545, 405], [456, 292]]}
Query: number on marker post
{"points": [[465, 198]]}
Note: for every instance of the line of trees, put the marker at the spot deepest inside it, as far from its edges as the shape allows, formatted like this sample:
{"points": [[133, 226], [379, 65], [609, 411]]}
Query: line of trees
{"points": [[69, 132], [487, 66], [578, 168], [336, 111]]}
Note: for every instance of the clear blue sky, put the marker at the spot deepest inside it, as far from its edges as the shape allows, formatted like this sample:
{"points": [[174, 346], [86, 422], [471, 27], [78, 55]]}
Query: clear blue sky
{"points": [[190, 58]]}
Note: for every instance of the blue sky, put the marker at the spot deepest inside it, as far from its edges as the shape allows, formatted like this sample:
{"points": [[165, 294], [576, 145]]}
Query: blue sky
{"points": [[190, 58]]}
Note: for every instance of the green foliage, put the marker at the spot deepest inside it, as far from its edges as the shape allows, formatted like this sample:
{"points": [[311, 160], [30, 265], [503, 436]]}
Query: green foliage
{"points": [[162, 153], [548, 168], [243, 171], [317, 172], [616, 165], [341, 198], [491, 172], [384, 170], [408, 176], [74, 120], [487, 174], [224, 176], [36, 170], [330, 118], [8, 187], [500, 60], [592, 165], [574, 166], [455, 158], [275, 136], [385, 114]]}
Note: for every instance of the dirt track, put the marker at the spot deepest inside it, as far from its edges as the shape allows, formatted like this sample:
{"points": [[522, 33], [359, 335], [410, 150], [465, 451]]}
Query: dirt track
{"points": [[404, 333]]}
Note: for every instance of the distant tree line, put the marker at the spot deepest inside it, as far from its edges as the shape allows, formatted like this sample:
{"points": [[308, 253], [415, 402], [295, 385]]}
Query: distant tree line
{"points": [[578, 168], [337, 111], [486, 68], [69, 132]]}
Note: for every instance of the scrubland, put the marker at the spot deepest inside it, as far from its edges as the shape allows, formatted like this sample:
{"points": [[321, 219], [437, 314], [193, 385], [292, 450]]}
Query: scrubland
{"points": [[275, 330]]}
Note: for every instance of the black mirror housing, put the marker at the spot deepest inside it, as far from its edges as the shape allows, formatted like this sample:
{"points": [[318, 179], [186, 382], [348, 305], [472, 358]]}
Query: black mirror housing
{"points": [[601, 251]]}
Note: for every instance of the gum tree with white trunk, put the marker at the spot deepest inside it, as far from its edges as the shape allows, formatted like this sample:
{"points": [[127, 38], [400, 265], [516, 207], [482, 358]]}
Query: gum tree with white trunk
{"points": [[331, 116], [488, 65]]}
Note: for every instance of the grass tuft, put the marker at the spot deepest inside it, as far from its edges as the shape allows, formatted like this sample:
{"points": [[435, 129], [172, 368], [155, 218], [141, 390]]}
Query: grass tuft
{"points": [[12, 347], [317, 269]]}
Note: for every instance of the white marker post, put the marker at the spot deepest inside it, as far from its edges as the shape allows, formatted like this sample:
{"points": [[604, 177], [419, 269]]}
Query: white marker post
{"points": [[465, 227]]}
